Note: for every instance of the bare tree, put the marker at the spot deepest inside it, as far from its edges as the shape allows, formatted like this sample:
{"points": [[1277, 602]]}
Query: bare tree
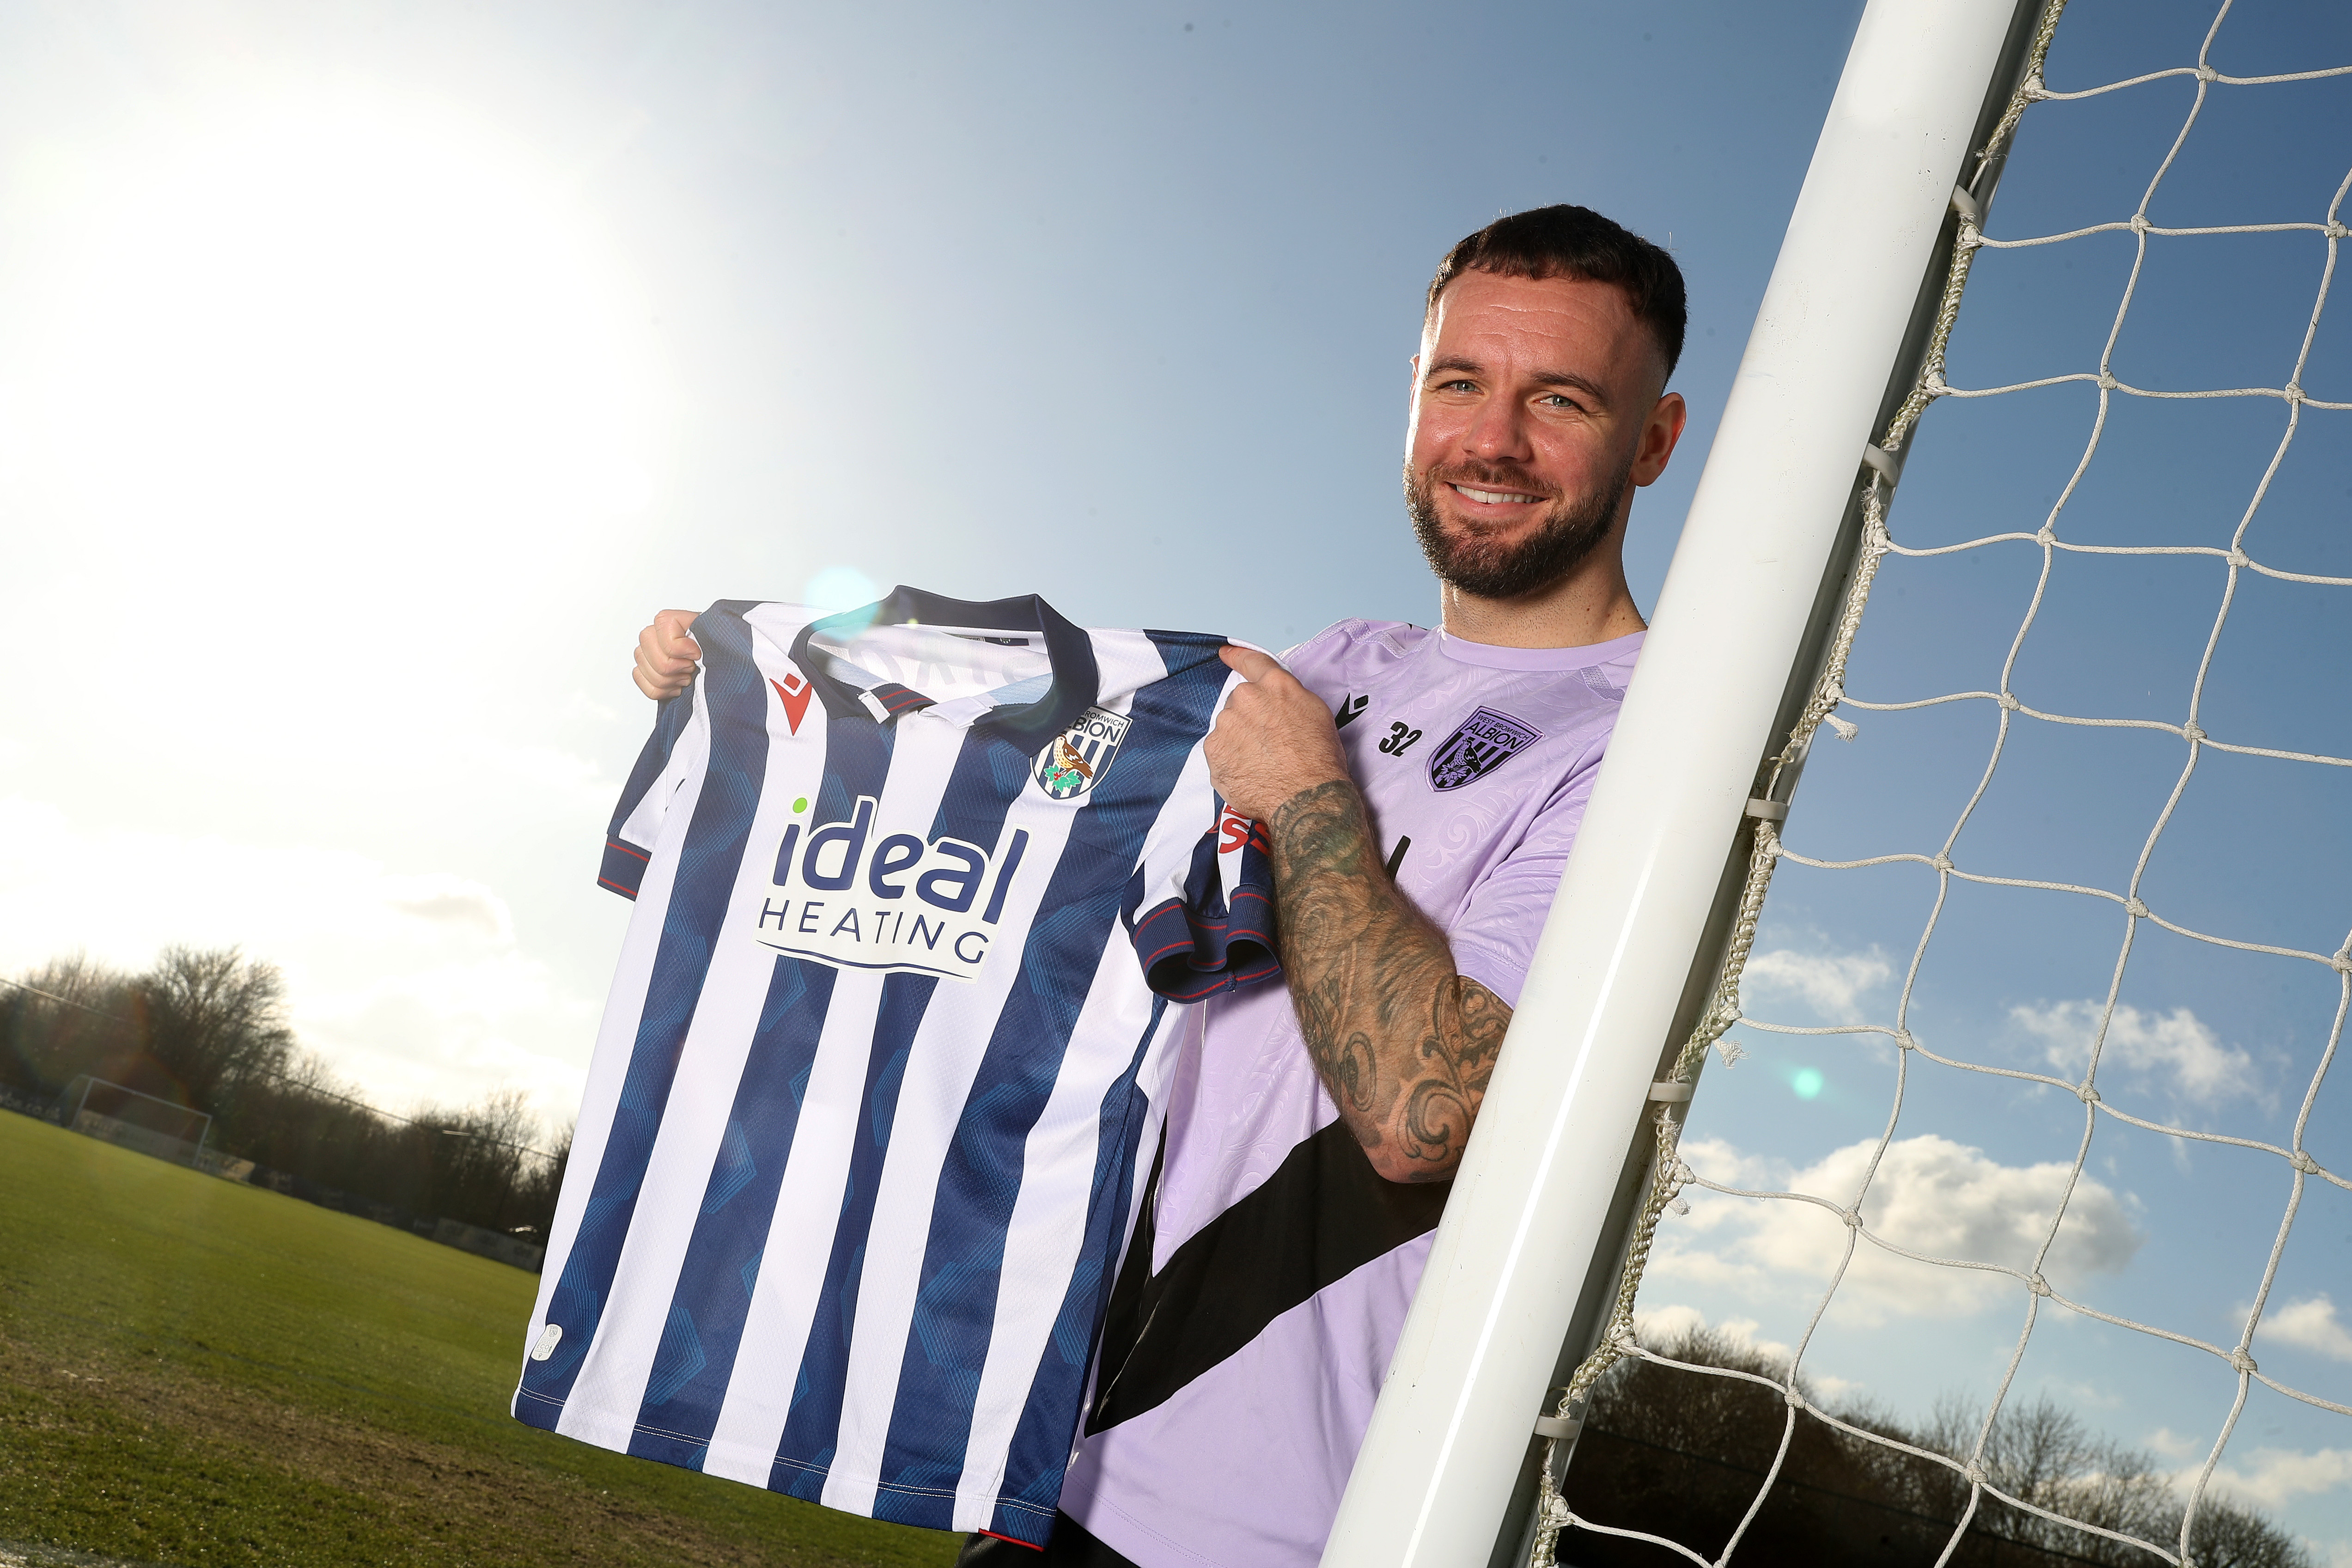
{"points": [[215, 1019], [70, 1016]]}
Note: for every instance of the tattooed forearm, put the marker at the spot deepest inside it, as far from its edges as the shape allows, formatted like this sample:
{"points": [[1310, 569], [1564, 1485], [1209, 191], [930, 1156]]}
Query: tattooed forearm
{"points": [[1404, 1043]]}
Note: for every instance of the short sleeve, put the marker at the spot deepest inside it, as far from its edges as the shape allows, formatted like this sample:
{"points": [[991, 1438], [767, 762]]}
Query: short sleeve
{"points": [[669, 753], [1210, 926], [1495, 938], [1199, 909]]}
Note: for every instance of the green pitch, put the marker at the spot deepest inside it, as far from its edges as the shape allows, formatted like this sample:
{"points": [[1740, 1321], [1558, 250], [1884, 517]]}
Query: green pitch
{"points": [[193, 1372]]}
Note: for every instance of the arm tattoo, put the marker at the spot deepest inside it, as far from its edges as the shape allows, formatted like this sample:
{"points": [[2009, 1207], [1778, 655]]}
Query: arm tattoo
{"points": [[1404, 1043]]}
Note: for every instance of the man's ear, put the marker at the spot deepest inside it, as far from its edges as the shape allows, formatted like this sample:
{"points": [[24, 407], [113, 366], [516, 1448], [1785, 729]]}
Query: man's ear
{"points": [[1660, 432]]}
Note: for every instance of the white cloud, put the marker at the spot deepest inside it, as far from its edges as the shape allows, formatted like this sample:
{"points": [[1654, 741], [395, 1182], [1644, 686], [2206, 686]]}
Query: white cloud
{"points": [[2310, 1325], [1929, 1196], [1832, 983], [2272, 1477], [411, 984], [1656, 1326], [2266, 1478], [2176, 1045]]}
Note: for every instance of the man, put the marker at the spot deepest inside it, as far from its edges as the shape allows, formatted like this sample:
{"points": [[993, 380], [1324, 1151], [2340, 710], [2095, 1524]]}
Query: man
{"points": [[1419, 793]]}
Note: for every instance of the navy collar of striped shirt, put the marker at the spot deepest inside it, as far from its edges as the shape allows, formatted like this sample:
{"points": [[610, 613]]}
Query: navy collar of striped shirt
{"points": [[1076, 680]]}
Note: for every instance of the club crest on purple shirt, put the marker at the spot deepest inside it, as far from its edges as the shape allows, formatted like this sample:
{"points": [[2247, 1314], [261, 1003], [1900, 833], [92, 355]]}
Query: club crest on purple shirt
{"points": [[1486, 741]]}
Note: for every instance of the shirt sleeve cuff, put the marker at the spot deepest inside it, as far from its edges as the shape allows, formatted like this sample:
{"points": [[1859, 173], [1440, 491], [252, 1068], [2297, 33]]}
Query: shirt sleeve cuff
{"points": [[1187, 956], [623, 867]]}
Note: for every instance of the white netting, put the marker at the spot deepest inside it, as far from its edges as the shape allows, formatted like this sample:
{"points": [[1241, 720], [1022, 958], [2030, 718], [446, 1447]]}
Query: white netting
{"points": [[2294, 1163]]}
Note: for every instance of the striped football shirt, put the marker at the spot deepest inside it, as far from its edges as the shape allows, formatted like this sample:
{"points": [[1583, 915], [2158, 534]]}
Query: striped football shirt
{"points": [[916, 888]]}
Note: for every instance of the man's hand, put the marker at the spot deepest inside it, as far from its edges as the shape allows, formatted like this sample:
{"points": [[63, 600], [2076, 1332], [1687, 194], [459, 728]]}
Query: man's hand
{"points": [[1402, 1040], [1273, 740], [666, 655]]}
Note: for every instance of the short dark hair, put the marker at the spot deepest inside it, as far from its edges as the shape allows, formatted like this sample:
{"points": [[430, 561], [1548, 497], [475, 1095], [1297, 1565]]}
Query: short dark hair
{"points": [[1566, 241]]}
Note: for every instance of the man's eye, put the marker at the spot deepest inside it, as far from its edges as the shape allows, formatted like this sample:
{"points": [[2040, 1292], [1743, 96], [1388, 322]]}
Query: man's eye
{"points": [[1558, 400], [1458, 387]]}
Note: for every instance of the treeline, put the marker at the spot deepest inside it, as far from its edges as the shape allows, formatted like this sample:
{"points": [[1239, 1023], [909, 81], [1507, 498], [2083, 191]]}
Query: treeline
{"points": [[1682, 1455], [205, 1029]]}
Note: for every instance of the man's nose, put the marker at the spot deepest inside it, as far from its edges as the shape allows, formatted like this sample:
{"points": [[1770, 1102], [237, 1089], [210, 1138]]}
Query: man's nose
{"points": [[1497, 432]]}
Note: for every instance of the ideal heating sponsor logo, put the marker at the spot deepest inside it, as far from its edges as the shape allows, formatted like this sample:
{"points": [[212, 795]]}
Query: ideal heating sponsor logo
{"points": [[896, 903]]}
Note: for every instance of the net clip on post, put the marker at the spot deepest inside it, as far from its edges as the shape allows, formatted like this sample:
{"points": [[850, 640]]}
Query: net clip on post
{"points": [[1558, 1428], [1767, 810], [1968, 207], [1887, 465], [1671, 1093]]}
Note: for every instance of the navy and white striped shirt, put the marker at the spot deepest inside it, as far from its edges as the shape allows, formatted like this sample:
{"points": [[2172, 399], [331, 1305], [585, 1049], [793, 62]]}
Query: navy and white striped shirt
{"points": [[916, 886]]}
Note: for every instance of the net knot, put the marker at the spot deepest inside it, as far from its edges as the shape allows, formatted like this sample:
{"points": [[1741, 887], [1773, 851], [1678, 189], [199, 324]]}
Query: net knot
{"points": [[2038, 1285], [2033, 90], [2046, 536], [2238, 557], [1851, 1217], [2009, 701], [2192, 731], [2336, 229], [2292, 392], [2086, 1094], [2107, 381], [1904, 1040], [2340, 960], [2134, 908], [2302, 1160], [1942, 862], [1976, 1474], [2139, 224], [1796, 1400], [2242, 1361], [1933, 384], [2207, 73]]}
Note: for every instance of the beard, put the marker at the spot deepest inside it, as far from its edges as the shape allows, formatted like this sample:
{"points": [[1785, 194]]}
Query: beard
{"points": [[1481, 562]]}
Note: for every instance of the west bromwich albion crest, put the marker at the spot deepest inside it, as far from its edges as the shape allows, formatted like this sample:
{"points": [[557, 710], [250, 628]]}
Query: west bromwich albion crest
{"points": [[1486, 741], [1075, 761]]}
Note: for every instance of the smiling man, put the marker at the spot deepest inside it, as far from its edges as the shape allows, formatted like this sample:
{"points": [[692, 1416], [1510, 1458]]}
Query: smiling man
{"points": [[1419, 791]]}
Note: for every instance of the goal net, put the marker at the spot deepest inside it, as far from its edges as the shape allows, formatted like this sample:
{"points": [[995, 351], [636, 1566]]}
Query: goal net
{"points": [[116, 1114], [2022, 1233]]}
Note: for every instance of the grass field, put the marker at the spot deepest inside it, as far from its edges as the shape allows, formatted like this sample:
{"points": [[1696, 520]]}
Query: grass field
{"points": [[193, 1372]]}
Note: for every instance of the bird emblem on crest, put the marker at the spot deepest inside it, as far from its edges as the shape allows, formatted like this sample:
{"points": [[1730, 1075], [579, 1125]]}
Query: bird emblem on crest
{"points": [[1075, 761]]}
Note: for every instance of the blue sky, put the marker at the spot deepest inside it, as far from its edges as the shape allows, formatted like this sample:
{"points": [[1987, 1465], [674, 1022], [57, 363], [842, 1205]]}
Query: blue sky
{"points": [[369, 372]]}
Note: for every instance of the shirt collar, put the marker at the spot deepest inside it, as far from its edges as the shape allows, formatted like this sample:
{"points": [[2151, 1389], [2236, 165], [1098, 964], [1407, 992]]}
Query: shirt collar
{"points": [[1076, 680]]}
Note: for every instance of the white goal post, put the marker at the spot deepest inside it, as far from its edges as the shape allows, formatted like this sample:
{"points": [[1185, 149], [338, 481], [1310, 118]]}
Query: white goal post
{"points": [[1541, 1206]]}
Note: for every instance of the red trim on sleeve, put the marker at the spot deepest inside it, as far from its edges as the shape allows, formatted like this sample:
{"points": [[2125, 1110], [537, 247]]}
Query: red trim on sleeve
{"points": [[1030, 1544]]}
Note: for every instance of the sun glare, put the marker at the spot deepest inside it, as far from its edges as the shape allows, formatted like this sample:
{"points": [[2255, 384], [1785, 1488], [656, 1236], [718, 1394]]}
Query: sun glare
{"points": [[298, 334]]}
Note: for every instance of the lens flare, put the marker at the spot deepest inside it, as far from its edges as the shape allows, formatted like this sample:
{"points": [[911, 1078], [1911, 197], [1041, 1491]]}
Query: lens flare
{"points": [[841, 588]]}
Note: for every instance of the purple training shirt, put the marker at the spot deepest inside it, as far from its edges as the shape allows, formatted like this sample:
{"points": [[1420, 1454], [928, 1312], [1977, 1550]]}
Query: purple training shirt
{"points": [[1237, 1375]]}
